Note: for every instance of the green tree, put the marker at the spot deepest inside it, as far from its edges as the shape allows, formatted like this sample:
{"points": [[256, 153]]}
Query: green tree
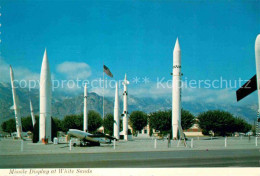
{"points": [[240, 125], [187, 119], [94, 121], [138, 120], [73, 122], [9, 126], [108, 124], [161, 120], [221, 123], [27, 123]]}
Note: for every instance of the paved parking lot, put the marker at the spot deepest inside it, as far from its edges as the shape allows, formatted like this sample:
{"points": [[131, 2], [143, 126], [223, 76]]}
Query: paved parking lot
{"points": [[206, 152]]}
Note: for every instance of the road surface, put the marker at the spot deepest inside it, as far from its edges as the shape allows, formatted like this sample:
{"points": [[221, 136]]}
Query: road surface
{"points": [[189, 158]]}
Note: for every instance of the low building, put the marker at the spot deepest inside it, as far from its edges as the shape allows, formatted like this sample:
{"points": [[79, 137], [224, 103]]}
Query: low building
{"points": [[194, 131]]}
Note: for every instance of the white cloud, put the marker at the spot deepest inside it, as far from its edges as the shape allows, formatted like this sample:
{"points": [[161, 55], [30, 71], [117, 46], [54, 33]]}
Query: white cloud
{"points": [[224, 96], [74, 70], [20, 73], [203, 95], [25, 74], [152, 90]]}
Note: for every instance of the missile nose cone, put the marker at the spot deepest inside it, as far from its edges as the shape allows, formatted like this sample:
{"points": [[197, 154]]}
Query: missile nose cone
{"points": [[85, 89], [11, 71], [45, 54], [45, 61], [257, 41], [177, 46], [125, 77]]}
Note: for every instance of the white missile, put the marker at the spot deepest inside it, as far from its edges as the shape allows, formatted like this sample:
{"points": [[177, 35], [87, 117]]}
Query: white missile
{"points": [[257, 60], [32, 113], [85, 125], [116, 117], [176, 90], [253, 84], [125, 112], [16, 106], [45, 100]]}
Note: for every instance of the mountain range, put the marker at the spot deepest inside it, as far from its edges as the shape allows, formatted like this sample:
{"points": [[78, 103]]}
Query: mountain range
{"points": [[65, 104]]}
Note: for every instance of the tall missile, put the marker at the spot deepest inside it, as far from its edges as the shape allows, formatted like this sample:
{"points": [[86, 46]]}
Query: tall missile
{"points": [[176, 90], [85, 125], [45, 100], [16, 106], [253, 84], [116, 117], [32, 113], [125, 112]]}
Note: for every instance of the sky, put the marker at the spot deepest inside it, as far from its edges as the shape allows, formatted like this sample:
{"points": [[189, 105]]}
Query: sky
{"points": [[135, 37]]}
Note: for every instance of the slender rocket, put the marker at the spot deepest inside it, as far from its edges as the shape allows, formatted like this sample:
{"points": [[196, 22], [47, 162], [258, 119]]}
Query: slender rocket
{"points": [[45, 100], [176, 90], [32, 113], [125, 112], [253, 84], [85, 125], [16, 106], [116, 117]]}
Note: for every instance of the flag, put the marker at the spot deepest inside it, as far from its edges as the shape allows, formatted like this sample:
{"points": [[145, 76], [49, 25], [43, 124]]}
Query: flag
{"points": [[107, 71]]}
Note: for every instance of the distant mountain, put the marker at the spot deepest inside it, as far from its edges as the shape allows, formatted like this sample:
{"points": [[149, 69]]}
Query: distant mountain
{"points": [[65, 104]]}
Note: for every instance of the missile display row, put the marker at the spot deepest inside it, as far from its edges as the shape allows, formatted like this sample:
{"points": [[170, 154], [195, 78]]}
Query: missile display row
{"points": [[46, 96]]}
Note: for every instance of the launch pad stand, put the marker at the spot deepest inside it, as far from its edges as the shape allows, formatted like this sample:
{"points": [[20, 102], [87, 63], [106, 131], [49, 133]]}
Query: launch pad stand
{"points": [[181, 136], [257, 129]]}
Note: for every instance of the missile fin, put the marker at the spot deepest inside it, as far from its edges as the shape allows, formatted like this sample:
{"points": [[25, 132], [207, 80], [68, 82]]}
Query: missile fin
{"points": [[249, 87]]}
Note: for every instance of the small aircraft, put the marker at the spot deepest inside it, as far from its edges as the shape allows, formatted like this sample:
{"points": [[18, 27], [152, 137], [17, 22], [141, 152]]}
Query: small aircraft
{"points": [[88, 139]]}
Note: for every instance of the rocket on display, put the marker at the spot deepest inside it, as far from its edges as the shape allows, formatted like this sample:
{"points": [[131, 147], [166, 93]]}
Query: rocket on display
{"points": [[176, 90], [116, 117], [85, 125], [125, 112], [32, 113], [45, 100], [16, 106], [253, 84]]}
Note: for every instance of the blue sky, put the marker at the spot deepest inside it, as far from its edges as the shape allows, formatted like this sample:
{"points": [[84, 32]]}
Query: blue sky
{"points": [[134, 37]]}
